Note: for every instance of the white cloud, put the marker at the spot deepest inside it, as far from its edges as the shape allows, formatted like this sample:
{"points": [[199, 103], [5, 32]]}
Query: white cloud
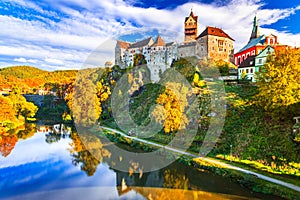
{"points": [[67, 42], [20, 60], [23, 60], [54, 61]]}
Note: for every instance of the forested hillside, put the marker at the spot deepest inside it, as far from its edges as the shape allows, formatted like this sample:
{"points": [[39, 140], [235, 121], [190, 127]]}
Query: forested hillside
{"points": [[29, 79]]}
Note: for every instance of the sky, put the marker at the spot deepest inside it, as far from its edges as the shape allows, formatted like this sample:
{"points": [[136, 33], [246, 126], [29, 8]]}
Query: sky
{"points": [[62, 34]]}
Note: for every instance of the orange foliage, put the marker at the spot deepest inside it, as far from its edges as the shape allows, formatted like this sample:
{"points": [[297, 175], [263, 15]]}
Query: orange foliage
{"points": [[7, 144]]}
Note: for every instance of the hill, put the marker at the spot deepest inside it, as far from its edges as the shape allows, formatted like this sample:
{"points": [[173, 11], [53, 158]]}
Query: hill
{"points": [[21, 72], [31, 78]]}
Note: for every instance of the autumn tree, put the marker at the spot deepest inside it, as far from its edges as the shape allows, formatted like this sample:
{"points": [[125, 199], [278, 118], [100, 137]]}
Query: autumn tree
{"points": [[20, 105], [7, 113], [85, 97], [173, 103], [279, 81]]}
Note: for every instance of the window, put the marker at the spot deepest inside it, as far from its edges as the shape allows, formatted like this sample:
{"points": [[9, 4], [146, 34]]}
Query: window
{"points": [[260, 61], [220, 45], [247, 71], [251, 70]]}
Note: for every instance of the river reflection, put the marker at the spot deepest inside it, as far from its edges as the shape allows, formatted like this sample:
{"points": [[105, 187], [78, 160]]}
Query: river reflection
{"points": [[53, 162]]}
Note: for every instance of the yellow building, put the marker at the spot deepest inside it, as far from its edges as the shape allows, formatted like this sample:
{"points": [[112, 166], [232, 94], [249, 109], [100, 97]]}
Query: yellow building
{"points": [[215, 44]]}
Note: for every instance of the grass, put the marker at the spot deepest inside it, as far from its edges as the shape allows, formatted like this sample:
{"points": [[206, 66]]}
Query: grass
{"points": [[249, 181], [262, 169]]}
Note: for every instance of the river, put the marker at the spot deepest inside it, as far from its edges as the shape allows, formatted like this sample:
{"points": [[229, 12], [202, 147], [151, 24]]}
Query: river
{"points": [[53, 162]]}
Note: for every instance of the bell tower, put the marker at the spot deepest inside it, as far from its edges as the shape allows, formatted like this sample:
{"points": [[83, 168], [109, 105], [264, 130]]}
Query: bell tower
{"points": [[190, 27], [255, 32]]}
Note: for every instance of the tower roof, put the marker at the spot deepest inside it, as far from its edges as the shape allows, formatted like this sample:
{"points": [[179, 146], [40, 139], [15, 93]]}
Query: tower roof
{"points": [[214, 31], [192, 15], [159, 42], [255, 32], [254, 42], [123, 45]]}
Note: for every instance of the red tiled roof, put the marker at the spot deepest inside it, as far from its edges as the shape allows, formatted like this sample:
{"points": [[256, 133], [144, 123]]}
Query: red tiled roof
{"points": [[159, 42], [214, 31], [123, 45]]}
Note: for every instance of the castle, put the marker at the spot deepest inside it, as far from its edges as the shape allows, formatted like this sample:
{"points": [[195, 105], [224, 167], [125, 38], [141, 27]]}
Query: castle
{"points": [[212, 43]]}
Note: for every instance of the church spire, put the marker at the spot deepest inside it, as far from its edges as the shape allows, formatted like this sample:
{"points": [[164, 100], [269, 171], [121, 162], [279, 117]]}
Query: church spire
{"points": [[255, 31]]}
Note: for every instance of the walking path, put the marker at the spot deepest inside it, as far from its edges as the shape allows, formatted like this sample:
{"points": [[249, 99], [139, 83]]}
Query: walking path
{"points": [[273, 180]]}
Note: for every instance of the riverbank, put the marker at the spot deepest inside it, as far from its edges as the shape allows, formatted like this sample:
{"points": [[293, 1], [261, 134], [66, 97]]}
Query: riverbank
{"points": [[251, 180]]}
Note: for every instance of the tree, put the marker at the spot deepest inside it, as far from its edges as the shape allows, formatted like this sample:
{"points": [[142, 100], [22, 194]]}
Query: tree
{"points": [[20, 105], [279, 81], [139, 59], [7, 113], [174, 101], [85, 97]]}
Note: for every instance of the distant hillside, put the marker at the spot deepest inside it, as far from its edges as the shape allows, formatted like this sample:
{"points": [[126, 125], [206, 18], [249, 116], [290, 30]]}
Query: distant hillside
{"points": [[22, 72], [28, 78]]}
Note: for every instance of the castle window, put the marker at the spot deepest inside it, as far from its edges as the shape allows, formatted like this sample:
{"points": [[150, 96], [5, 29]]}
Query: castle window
{"points": [[220, 45], [247, 71], [251, 70]]}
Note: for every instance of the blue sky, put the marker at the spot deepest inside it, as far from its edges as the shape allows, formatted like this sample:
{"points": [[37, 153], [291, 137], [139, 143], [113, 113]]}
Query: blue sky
{"points": [[61, 34]]}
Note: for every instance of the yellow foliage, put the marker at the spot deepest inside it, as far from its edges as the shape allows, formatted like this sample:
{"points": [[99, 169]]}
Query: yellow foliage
{"points": [[279, 80], [173, 102]]}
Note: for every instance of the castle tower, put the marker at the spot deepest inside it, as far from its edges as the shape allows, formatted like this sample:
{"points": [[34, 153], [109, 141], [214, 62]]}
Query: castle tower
{"points": [[255, 32], [190, 27]]}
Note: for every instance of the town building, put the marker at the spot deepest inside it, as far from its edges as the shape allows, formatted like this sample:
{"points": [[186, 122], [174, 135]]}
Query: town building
{"points": [[215, 44], [254, 54]]}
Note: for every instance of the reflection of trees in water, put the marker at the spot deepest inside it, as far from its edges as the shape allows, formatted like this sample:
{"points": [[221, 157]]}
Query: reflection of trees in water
{"points": [[151, 184], [28, 132], [87, 151], [9, 139], [57, 132], [175, 179], [7, 144]]}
